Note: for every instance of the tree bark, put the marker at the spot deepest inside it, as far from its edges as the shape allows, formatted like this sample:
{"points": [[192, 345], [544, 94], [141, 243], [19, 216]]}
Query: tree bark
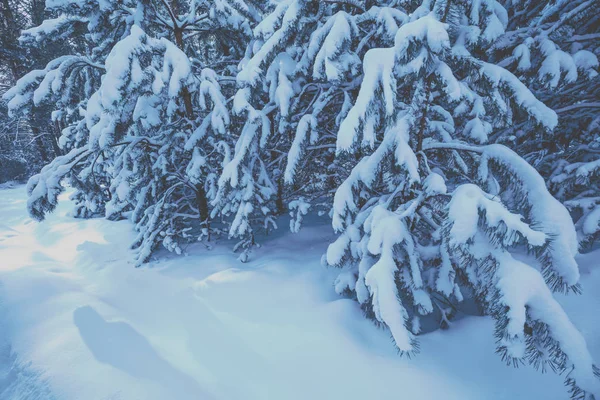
{"points": [[202, 203], [39, 143]]}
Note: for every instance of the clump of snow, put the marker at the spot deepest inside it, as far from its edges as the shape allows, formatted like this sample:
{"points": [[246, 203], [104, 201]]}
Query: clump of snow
{"points": [[468, 201], [524, 290]]}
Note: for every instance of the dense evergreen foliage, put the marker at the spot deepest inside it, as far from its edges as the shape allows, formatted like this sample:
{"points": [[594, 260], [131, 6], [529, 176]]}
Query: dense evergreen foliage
{"points": [[438, 136]]}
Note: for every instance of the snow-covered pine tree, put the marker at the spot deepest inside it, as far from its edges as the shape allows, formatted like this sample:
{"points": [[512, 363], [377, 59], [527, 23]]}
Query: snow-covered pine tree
{"points": [[80, 74], [553, 46], [413, 128], [248, 183], [143, 112], [295, 84], [28, 142]]}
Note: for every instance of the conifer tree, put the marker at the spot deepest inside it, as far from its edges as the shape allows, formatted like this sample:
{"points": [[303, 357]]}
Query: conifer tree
{"points": [[29, 141], [429, 210], [144, 120], [295, 84], [552, 45]]}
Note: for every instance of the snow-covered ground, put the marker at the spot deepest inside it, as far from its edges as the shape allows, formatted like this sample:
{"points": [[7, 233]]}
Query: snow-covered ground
{"points": [[78, 321]]}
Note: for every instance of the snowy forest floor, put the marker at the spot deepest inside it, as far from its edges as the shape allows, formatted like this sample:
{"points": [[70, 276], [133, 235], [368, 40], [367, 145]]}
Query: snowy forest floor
{"points": [[78, 321]]}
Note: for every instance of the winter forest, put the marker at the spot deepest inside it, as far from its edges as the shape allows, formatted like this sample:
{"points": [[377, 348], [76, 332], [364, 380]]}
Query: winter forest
{"points": [[210, 198]]}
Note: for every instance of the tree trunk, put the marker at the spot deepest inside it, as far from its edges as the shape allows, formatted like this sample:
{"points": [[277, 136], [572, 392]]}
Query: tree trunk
{"points": [[55, 136], [202, 204], [185, 94], [39, 143], [279, 200]]}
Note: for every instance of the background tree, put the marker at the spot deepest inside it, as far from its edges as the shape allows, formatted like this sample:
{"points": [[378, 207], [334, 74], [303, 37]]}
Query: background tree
{"points": [[28, 142], [553, 45], [143, 119]]}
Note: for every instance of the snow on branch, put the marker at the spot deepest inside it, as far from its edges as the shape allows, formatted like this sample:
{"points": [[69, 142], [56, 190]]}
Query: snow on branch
{"points": [[544, 210]]}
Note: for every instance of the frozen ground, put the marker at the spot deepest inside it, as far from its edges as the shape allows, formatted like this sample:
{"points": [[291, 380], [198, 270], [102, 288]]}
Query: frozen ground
{"points": [[78, 321]]}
